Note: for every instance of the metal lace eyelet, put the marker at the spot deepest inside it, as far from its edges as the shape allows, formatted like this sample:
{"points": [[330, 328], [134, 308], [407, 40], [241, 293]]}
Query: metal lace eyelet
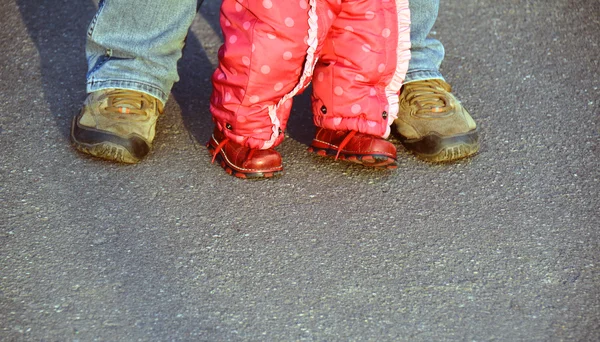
{"points": [[384, 114], [323, 109], [228, 126]]}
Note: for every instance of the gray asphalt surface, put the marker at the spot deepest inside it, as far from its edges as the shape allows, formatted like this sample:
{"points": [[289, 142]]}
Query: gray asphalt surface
{"points": [[501, 247]]}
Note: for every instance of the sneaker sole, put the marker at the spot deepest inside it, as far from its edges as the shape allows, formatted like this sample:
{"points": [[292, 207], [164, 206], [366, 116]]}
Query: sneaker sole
{"points": [[438, 149], [370, 160], [107, 146], [232, 170]]}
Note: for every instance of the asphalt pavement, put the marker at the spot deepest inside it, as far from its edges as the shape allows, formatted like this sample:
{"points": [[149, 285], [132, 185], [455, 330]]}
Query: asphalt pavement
{"points": [[503, 246]]}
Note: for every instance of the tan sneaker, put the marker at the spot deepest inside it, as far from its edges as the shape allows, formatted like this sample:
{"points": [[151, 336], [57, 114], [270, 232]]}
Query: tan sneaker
{"points": [[116, 124], [433, 124]]}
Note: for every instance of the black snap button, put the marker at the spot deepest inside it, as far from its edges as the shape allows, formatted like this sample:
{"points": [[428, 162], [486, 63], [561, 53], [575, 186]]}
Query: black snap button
{"points": [[323, 109], [384, 114]]}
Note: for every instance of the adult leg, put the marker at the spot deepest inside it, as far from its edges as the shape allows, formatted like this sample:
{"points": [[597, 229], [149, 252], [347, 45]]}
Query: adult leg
{"points": [[132, 51], [427, 53], [136, 44], [431, 122]]}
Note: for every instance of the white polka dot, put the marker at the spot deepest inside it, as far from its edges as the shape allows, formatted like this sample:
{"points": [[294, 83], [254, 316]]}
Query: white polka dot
{"points": [[320, 77], [239, 139], [359, 78], [338, 91], [253, 47], [271, 36], [330, 14], [349, 28], [221, 76], [386, 32], [233, 39], [366, 48], [246, 60], [347, 62], [246, 25], [227, 96], [227, 23], [381, 67], [372, 92], [258, 130], [265, 69], [267, 4], [238, 7], [287, 55], [303, 4], [369, 15], [355, 108], [287, 104], [289, 22], [337, 121], [254, 99], [371, 123], [278, 86], [241, 118]]}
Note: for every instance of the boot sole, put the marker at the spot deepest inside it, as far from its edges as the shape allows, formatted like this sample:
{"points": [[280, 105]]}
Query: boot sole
{"points": [[108, 146], [377, 161], [233, 171], [438, 149]]}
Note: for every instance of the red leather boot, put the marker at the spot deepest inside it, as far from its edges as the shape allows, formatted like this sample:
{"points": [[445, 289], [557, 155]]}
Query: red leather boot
{"points": [[242, 161], [355, 147]]}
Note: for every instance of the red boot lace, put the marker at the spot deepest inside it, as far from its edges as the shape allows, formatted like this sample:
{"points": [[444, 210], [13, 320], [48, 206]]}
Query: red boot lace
{"points": [[344, 143], [222, 144], [218, 149]]}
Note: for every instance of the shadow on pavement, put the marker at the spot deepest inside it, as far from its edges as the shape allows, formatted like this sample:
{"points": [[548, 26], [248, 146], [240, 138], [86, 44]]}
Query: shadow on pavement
{"points": [[192, 92], [57, 27]]}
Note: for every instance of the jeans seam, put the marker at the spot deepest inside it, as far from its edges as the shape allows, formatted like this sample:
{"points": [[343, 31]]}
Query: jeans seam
{"points": [[95, 19]]}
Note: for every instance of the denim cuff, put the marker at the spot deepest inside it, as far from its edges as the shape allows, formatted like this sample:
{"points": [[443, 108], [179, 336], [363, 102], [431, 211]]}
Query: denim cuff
{"points": [[95, 85], [419, 75]]}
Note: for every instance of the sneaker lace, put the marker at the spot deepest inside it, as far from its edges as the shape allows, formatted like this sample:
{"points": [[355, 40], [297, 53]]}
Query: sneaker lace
{"points": [[125, 101], [344, 143], [428, 96]]}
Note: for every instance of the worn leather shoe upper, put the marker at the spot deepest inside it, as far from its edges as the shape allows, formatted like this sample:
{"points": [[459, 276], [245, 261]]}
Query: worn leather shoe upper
{"points": [[116, 124], [433, 124]]}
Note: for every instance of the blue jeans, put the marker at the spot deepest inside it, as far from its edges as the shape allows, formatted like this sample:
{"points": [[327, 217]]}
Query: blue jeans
{"points": [[426, 54], [135, 44]]}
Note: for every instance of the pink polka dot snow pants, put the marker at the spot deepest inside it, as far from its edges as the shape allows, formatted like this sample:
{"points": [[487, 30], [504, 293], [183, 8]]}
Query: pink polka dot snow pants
{"points": [[355, 53]]}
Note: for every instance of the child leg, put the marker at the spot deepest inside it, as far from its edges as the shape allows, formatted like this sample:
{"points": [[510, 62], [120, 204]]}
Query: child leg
{"points": [[263, 63], [357, 80]]}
